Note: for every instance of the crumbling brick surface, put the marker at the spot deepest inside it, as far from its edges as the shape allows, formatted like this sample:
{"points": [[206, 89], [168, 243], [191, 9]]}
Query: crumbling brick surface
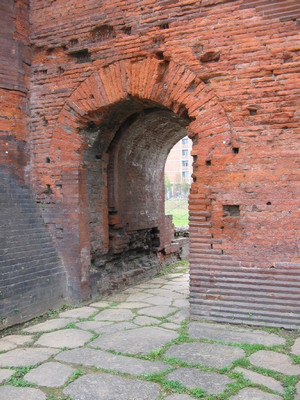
{"points": [[232, 71], [110, 80], [32, 276], [14, 81]]}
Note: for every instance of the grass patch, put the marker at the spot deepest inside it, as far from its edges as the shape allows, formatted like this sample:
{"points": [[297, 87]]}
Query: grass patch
{"points": [[289, 384], [173, 386], [179, 210], [70, 325], [54, 397], [17, 378], [94, 337], [296, 359], [179, 267], [75, 375]]}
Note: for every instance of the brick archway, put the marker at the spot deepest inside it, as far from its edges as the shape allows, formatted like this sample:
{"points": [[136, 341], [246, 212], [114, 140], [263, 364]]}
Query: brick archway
{"points": [[146, 83], [162, 82]]}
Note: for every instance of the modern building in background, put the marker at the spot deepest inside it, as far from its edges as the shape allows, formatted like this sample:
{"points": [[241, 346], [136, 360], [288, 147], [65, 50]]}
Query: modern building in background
{"points": [[178, 169]]}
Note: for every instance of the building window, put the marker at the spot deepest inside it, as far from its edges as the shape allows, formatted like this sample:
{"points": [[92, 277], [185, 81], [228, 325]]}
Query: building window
{"points": [[185, 152], [185, 174], [185, 163], [184, 141]]}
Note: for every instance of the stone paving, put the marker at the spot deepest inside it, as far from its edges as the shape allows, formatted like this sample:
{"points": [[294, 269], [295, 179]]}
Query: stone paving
{"points": [[140, 345]]}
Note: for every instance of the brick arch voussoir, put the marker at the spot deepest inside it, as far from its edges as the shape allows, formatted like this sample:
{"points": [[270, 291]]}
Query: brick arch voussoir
{"points": [[166, 83]]}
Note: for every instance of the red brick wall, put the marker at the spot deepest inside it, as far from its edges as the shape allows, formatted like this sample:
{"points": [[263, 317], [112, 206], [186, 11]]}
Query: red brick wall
{"points": [[32, 276], [14, 80], [232, 68]]}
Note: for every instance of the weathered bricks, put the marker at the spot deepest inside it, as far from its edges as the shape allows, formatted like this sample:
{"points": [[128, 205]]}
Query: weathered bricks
{"points": [[32, 277], [228, 69]]}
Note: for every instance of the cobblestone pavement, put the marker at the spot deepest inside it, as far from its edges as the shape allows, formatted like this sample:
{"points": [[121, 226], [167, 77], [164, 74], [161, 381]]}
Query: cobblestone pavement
{"points": [[140, 345]]}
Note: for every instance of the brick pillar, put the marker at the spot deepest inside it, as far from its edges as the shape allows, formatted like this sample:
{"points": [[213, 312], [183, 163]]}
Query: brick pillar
{"points": [[75, 243]]}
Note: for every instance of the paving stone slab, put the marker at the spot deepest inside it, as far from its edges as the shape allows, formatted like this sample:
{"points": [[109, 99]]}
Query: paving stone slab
{"points": [[95, 326], [175, 286], [132, 290], [149, 285], [170, 325], [5, 374], [157, 311], [297, 396], [179, 397], [114, 315], [180, 316], [110, 387], [208, 354], [159, 301], [82, 312], [296, 347], [132, 305], [135, 341], [181, 303], [230, 334], [12, 341], [177, 283], [101, 304], [254, 394], [180, 275], [275, 361], [180, 278], [157, 281], [5, 346], [102, 359], [146, 320], [25, 356], [117, 297], [165, 293], [259, 379], [184, 293], [51, 374], [14, 393], [19, 340], [117, 327], [50, 325], [211, 382], [140, 297], [64, 338]]}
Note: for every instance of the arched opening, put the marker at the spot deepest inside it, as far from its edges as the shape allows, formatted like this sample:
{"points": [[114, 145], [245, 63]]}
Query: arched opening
{"points": [[125, 159], [147, 105], [178, 180]]}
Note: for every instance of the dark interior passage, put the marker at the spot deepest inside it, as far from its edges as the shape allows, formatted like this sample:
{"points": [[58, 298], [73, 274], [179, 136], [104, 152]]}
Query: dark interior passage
{"points": [[132, 163]]}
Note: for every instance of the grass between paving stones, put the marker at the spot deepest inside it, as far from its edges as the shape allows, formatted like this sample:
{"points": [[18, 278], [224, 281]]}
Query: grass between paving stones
{"points": [[288, 382], [17, 378], [296, 359], [232, 388], [95, 336], [170, 386], [173, 386], [159, 355], [285, 333], [54, 397], [248, 348], [179, 267], [76, 374]]}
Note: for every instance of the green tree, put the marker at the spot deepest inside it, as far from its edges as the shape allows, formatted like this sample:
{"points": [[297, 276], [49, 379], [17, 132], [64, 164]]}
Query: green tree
{"points": [[185, 187], [168, 187]]}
